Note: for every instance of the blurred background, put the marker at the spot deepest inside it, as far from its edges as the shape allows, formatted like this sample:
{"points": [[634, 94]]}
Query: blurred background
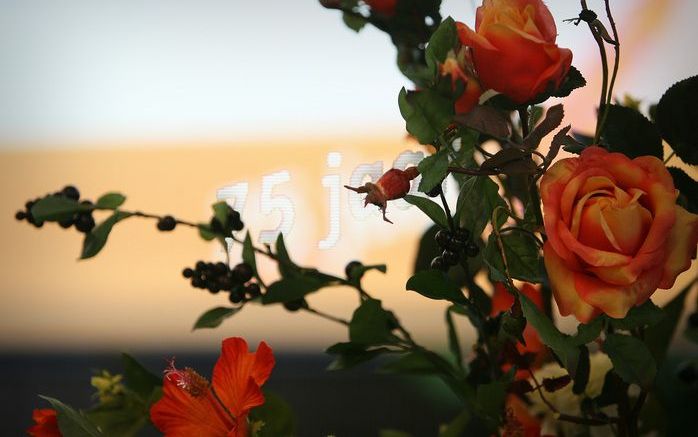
{"points": [[176, 103]]}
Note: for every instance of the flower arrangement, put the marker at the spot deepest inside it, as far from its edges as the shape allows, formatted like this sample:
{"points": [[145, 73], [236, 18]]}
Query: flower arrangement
{"points": [[595, 233]]}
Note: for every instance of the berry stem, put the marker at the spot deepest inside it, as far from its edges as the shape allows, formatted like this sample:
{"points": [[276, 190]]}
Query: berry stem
{"points": [[448, 211]]}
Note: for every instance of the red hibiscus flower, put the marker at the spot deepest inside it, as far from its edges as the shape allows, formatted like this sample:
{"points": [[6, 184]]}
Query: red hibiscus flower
{"points": [[45, 423], [190, 406]]}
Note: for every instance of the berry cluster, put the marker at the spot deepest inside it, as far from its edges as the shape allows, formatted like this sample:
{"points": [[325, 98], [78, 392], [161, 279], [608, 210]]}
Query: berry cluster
{"points": [[232, 223], [216, 277], [453, 244], [83, 221]]}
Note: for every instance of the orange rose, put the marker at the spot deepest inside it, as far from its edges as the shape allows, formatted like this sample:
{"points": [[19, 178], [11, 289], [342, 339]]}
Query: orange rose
{"points": [[514, 48], [615, 233], [385, 7]]}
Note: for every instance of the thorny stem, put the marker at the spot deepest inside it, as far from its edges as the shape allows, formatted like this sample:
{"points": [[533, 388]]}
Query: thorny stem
{"points": [[616, 62], [604, 72]]}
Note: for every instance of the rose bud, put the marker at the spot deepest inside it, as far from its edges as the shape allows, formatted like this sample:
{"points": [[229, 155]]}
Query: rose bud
{"points": [[383, 7], [514, 49], [394, 184], [460, 68]]}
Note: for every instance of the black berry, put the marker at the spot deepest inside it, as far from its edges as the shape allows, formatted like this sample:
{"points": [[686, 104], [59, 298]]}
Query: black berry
{"points": [[349, 268], [187, 273], [200, 265], [443, 238], [450, 257], [462, 234], [253, 290], [167, 223], [84, 222], [71, 192], [438, 263], [234, 220], [20, 215], [243, 272], [236, 296], [294, 305], [65, 224], [471, 249]]}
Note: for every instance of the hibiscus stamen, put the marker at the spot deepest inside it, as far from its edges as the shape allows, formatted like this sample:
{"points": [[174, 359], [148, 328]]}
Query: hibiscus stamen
{"points": [[187, 379]]}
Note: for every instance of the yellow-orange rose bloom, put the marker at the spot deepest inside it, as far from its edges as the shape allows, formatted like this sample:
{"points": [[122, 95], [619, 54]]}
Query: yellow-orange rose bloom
{"points": [[615, 233], [514, 48]]}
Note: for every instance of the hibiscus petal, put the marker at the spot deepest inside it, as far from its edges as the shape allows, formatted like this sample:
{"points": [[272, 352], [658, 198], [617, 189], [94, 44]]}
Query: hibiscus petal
{"points": [[179, 414], [238, 375]]}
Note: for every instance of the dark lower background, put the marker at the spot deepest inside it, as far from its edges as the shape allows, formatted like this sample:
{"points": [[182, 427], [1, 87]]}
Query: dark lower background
{"points": [[342, 403], [355, 403]]}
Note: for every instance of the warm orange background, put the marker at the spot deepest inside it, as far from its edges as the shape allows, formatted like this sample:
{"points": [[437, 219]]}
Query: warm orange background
{"points": [[132, 295]]}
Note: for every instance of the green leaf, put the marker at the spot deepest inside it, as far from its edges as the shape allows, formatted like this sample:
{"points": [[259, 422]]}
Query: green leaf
{"points": [[276, 416], [292, 288], [371, 324], [357, 272], [453, 341], [478, 198], [205, 232], [56, 208], [412, 363], [433, 169], [110, 201], [458, 426], [71, 422], [430, 208], [393, 433], [443, 40], [627, 131], [427, 113], [490, 401], [487, 120], [586, 333], [566, 348], [248, 256], [647, 314], [677, 113], [523, 258], [688, 189], [220, 211], [138, 378], [434, 284], [631, 359], [97, 237], [572, 81], [214, 317], [658, 337], [354, 22], [553, 118], [287, 268], [352, 354]]}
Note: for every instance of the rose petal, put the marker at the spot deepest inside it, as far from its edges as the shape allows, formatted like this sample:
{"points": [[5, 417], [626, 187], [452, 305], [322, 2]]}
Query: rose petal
{"points": [[563, 286], [682, 243]]}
